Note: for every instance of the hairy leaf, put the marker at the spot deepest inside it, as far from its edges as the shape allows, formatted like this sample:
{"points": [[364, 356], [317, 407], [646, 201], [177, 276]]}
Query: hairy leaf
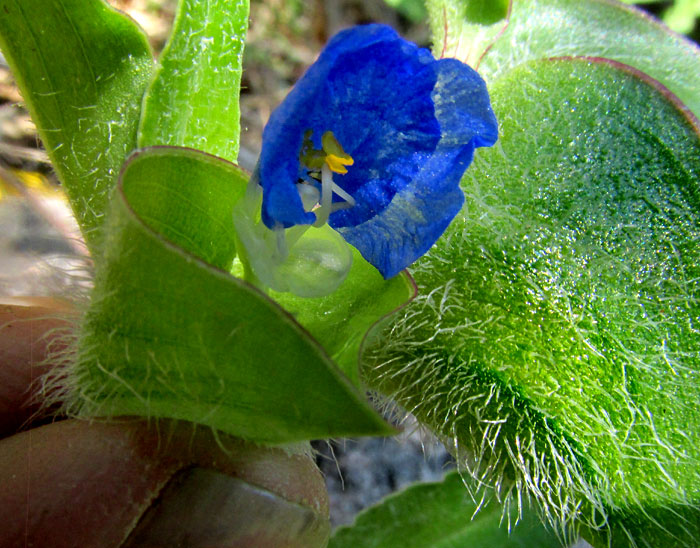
{"points": [[466, 29], [558, 323], [82, 68], [193, 100], [170, 335]]}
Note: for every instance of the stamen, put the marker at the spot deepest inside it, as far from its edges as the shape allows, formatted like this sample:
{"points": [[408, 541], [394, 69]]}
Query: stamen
{"points": [[286, 238], [323, 212], [337, 165], [332, 147], [336, 157], [344, 195], [309, 156], [337, 206], [331, 159]]}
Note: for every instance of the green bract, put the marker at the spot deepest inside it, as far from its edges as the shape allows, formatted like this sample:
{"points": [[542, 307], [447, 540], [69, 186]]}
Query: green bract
{"points": [[169, 331], [177, 336], [554, 28], [557, 321]]}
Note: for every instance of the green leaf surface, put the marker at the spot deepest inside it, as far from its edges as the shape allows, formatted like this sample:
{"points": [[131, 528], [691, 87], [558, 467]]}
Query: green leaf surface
{"points": [[82, 68], [554, 28], [466, 29], [193, 100], [440, 515], [170, 197], [341, 320], [413, 9], [169, 335], [486, 12], [558, 321]]}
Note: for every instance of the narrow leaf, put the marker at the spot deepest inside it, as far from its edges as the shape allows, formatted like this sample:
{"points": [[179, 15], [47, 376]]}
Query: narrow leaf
{"points": [[82, 68], [441, 515], [466, 29], [193, 100]]}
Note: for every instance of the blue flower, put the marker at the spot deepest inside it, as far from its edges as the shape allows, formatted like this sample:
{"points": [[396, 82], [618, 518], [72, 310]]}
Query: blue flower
{"points": [[374, 140]]}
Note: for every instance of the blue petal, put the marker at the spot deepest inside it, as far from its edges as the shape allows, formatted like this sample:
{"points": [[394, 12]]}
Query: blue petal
{"points": [[411, 123], [406, 230], [321, 100]]}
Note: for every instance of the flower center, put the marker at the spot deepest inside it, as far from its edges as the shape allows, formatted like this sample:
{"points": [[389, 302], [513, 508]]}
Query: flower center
{"points": [[321, 164]]}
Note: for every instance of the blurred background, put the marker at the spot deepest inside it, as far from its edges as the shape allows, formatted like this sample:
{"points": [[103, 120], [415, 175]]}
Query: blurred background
{"points": [[40, 249]]}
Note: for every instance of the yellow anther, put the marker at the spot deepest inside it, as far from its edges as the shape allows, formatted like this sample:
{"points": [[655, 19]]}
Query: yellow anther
{"points": [[336, 157], [332, 154], [337, 164]]}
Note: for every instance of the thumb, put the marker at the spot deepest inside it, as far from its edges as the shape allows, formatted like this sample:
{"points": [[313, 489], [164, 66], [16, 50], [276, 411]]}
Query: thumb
{"points": [[74, 483], [133, 483]]}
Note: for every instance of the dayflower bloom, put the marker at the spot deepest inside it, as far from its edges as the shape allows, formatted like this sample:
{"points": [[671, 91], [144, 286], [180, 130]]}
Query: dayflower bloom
{"points": [[373, 140]]}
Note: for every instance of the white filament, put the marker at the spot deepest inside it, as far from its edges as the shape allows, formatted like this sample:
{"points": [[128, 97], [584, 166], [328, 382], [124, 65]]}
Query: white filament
{"points": [[323, 212], [344, 195], [326, 206]]}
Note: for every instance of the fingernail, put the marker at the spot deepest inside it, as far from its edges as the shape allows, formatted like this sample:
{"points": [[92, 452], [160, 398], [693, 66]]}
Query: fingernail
{"points": [[202, 508]]}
